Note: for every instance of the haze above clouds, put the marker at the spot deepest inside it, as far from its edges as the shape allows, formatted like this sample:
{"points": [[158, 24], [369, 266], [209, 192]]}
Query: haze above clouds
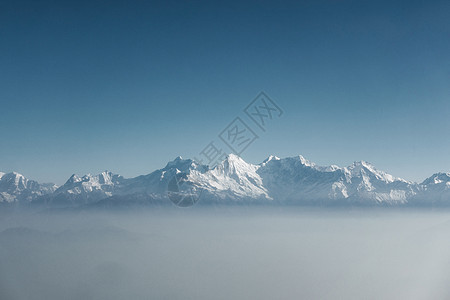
{"points": [[226, 253]]}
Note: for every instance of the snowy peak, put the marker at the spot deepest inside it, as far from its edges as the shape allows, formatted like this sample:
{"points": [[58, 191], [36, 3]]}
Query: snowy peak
{"points": [[438, 178], [176, 162], [232, 179], [435, 190], [157, 181], [233, 165], [270, 158], [363, 168], [296, 179], [73, 179], [108, 178], [14, 182], [16, 187], [105, 177], [305, 162], [184, 165], [90, 186]]}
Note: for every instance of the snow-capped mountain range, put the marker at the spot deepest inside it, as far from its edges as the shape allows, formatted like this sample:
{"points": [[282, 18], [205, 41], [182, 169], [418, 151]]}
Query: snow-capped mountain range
{"points": [[292, 180]]}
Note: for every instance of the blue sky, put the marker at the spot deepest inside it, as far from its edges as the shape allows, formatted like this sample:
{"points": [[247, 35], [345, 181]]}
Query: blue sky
{"points": [[126, 86]]}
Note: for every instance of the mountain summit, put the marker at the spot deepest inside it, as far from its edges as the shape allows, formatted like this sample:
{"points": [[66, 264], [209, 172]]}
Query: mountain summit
{"points": [[14, 187]]}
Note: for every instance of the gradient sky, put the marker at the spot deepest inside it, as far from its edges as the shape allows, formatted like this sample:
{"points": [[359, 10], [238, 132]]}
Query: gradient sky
{"points": [[126, 86]]}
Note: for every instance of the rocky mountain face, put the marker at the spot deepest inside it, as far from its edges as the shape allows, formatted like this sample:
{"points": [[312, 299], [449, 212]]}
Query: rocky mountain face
{"points": [[292, 180], [434, 190], [14, 187]]}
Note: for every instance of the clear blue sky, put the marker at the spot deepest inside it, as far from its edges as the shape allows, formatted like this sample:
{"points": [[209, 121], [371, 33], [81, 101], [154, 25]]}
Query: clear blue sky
{"points": [[129, 85]]}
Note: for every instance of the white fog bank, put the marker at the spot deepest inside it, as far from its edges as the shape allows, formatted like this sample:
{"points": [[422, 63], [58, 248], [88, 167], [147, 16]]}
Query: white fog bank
{"points": [[226, 253]]}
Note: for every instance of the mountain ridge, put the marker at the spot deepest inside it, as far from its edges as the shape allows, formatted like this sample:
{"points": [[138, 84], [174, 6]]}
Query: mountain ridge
{"points": [[290, 180]]}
